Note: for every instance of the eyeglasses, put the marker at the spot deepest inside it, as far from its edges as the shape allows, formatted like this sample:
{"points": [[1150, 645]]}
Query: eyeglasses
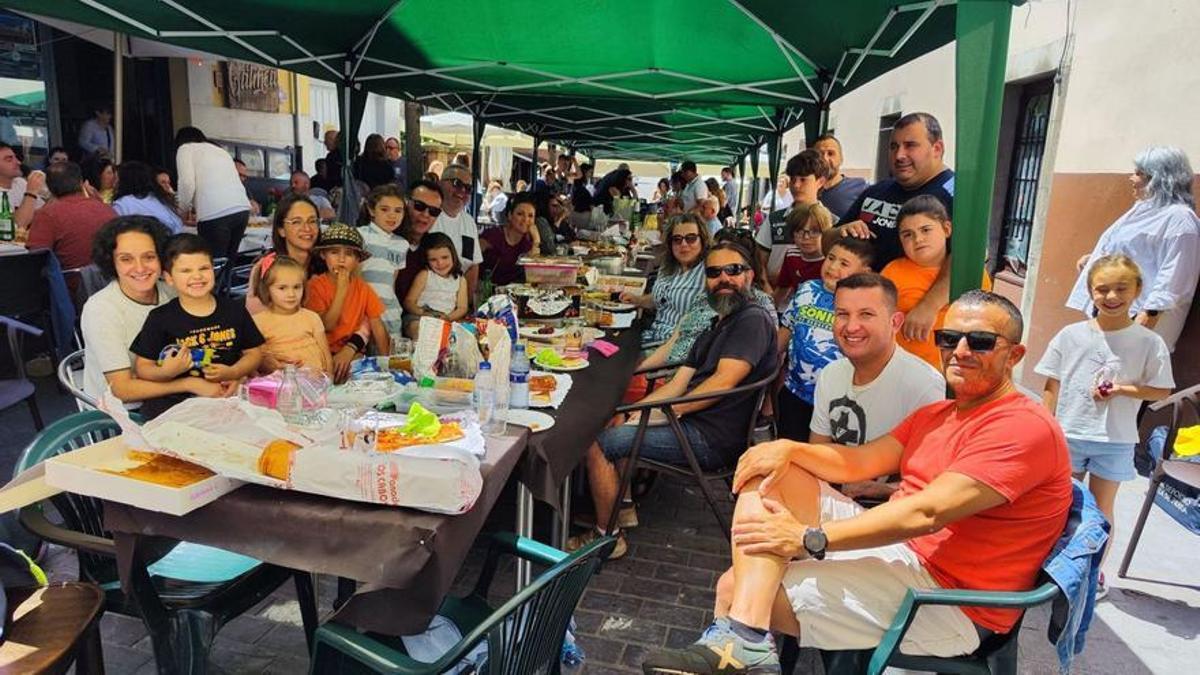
{"points": [[977, 340], [684, 238], [809, 234], [421, 206], [730, 270], [298, 222]]}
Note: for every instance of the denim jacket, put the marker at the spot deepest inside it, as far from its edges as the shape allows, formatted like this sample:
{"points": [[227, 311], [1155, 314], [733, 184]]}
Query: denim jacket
{"points": [[1074, 566]]}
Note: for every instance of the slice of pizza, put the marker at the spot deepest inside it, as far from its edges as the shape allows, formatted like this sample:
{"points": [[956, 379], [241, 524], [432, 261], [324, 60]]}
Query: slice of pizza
{"points": [[394, 438]]}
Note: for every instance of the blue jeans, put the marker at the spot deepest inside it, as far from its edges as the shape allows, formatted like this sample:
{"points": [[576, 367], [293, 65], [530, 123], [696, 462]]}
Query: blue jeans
{"points": [[661, 445]]}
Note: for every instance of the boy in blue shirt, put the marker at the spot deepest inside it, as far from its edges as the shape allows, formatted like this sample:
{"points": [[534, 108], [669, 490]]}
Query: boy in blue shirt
{"points": [[807, 333]]}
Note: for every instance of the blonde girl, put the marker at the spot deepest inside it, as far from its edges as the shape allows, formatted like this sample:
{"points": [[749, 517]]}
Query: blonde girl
{"points": [[295, 336], [1098, 373]]}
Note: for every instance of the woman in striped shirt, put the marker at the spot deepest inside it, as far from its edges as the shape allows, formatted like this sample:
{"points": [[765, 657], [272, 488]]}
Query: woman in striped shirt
{"points": [[680, 277]]}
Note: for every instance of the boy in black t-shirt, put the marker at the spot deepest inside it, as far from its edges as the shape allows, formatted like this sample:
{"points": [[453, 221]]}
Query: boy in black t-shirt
{"points": [[196, 334]]}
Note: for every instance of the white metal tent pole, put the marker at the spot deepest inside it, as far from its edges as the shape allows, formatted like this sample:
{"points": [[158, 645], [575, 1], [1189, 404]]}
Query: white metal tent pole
{"points": [[118, 106]]}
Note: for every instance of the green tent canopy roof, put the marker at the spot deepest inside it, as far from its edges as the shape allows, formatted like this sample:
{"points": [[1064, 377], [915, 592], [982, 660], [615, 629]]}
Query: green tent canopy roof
{"points": [[706, 79]]}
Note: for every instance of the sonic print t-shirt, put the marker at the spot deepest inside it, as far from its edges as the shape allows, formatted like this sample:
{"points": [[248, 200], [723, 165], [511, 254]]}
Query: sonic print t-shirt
{"points": [[809, 315]]}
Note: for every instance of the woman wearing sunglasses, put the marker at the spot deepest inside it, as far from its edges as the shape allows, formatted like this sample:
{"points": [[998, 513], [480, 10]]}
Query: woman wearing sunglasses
{"points": [[680, 278]]}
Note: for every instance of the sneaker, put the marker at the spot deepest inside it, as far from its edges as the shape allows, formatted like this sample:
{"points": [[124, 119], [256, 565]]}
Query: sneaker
{"points": [[719, 651], [1101, 588], [626, 520], [579, 541]]}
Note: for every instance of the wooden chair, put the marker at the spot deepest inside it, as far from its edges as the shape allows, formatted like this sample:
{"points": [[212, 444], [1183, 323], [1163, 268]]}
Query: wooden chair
{"points": [[52, 627]]}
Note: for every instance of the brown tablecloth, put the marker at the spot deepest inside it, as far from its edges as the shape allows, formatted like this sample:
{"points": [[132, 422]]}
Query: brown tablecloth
{"points": [[554, 453], [405, 560]]}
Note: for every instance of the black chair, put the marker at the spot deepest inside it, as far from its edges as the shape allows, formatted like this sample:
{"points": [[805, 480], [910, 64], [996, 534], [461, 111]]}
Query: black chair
{"points": [[20, 389], [183, 592], [757, 389], [1182, 471]]}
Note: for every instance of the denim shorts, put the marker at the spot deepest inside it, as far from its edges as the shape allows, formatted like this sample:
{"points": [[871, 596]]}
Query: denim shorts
{"points": [[1111, 461], [660, 445]]}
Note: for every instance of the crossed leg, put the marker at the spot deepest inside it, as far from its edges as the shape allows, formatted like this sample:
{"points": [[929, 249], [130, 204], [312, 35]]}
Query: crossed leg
{"points": [[750, 592]]}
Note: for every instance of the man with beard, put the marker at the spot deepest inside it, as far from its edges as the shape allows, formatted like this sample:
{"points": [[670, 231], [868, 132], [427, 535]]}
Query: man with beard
{"points": [[984, 494], [855, 400], [737, 349]]}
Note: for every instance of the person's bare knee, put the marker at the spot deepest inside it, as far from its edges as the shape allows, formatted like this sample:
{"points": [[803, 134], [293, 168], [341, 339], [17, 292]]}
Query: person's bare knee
{"points": [[725, 584]]}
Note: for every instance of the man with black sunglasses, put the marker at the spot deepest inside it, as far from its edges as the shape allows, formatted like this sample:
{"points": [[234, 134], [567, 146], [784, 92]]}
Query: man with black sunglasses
{"points": [[984, 494], [457, 224], [738, 349]]}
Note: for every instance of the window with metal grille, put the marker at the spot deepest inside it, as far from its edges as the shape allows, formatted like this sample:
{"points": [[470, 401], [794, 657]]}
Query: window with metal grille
{"points": [[1021, 196]]}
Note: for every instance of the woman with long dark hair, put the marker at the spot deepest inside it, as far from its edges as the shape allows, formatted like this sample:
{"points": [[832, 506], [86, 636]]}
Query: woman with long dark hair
{"points": [[372, 166], [139, 194]]}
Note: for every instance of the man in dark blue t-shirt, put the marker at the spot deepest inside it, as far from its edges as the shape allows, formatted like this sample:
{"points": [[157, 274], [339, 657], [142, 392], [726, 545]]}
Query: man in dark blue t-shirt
{"points": [[917, 169], [841, 192]]}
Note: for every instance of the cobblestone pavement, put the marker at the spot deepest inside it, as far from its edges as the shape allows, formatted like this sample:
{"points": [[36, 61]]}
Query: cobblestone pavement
{"points": [[661, 594]]}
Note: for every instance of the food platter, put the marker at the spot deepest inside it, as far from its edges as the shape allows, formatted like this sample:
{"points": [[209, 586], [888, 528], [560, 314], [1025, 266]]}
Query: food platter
{"points": [[542, 333]]}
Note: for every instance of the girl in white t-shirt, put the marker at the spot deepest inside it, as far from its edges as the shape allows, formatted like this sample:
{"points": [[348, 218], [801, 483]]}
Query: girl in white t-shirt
{"points": [[439, 290], [1098, 372]]}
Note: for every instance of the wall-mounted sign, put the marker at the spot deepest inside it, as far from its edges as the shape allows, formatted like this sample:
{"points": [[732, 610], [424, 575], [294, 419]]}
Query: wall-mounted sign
{"points": [[249, 86]]}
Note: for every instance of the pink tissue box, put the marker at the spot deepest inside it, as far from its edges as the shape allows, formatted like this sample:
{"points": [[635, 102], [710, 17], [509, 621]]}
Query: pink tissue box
{"points": [[264, 391]]}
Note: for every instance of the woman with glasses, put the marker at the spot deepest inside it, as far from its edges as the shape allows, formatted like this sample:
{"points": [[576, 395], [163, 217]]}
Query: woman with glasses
{"points": [[294, 232], [680, 278]]}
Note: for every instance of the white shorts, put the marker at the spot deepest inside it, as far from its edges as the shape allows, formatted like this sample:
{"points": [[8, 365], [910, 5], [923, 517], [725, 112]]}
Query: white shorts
{"points": [[849, 599]]}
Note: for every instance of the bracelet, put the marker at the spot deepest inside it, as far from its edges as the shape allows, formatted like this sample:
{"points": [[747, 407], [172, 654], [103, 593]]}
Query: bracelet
{"points": [[357, 342]]}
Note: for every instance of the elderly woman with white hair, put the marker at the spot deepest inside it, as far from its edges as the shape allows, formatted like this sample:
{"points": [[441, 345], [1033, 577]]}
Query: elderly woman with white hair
{"points": [[1161, 232]]}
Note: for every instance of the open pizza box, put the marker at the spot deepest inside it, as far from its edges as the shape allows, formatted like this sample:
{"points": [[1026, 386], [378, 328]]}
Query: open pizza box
{"points": [[442, 477], [83, 471]]}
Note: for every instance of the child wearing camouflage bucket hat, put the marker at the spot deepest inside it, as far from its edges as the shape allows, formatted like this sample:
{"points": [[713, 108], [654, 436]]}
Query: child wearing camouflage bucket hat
{"points": [[343, 300]]}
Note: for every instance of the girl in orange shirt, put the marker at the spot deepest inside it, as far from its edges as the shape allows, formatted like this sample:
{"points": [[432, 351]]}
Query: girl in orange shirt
{"points": [[924, 229]]}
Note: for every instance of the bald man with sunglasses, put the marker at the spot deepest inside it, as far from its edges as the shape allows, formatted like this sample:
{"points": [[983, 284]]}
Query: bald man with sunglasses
{"points": [[457, 224], [984, 495]]}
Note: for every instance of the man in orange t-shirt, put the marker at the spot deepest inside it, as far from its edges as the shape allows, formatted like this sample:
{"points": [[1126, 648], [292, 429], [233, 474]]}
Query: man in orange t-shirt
{"points": [[984, 494]]}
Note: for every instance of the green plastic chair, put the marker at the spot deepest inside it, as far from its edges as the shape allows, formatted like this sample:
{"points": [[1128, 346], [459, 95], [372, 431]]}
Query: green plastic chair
{"points": [[199, 588], [524, 635]]}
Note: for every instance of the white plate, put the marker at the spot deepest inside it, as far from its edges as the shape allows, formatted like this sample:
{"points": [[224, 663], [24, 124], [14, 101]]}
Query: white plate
{"points": [[536, 421], [561, 369], [531, 332], [615, 306]]}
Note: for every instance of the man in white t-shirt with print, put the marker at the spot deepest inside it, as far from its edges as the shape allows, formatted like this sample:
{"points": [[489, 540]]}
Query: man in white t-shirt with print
{"points": [[457, 224], [876, 384]]}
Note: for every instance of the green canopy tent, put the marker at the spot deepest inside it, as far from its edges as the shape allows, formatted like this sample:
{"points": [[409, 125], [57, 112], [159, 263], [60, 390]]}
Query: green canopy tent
{"points": [[636, 79]]}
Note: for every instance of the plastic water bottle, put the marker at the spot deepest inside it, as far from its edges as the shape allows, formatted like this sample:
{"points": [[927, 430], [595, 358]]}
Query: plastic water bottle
{"points": [[518, 378], [485, 398], [289, 401]]}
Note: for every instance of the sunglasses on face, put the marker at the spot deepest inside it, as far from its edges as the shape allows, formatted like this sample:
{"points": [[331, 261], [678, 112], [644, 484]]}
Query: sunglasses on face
{"points": [[690, 239], [421, 206], [730, 270], [459, 185], [977, 340]]}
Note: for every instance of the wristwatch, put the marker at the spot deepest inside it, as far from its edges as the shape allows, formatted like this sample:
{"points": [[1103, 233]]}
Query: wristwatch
{"points": [[815, 542], [1152, 312]]}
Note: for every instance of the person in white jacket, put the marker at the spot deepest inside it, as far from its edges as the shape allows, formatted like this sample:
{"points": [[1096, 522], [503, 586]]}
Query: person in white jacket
{"points": [[209, 184]]}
